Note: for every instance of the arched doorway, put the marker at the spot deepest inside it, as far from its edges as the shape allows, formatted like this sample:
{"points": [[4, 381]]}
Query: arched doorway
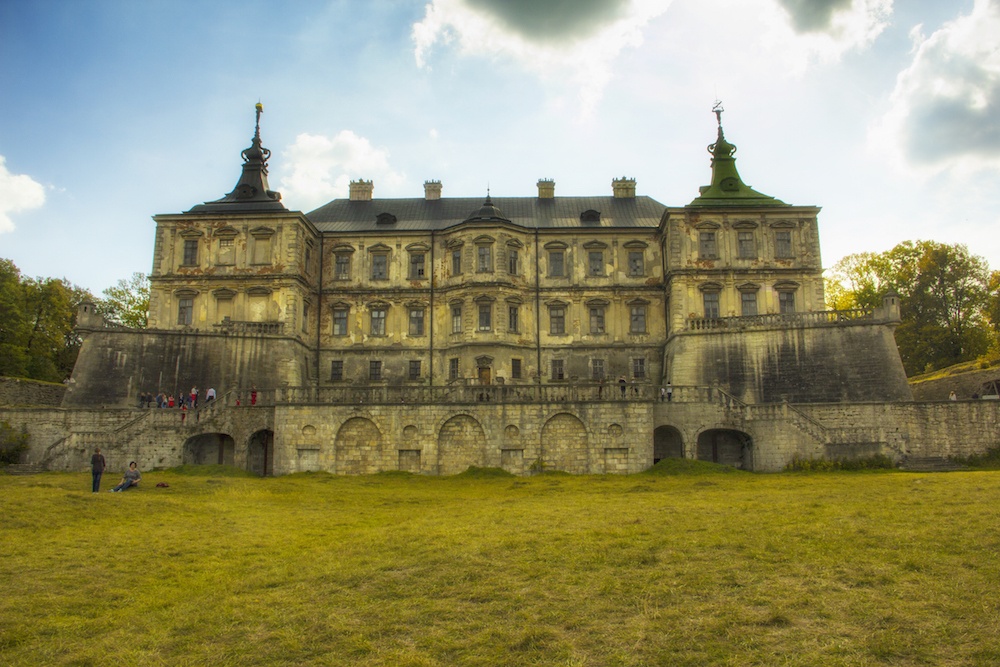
{"points": [[260, 453], [667, 444], [461, 443], [725, 446], [564, 444], [208, 449], [358, 448]]}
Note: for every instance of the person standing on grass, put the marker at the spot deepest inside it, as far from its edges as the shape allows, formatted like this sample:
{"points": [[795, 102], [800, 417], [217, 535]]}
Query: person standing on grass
{"points": [[130, 479], [97, 465]]}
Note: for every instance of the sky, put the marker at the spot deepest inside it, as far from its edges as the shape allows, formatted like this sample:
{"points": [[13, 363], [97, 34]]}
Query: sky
{"points": [[884, 113]]}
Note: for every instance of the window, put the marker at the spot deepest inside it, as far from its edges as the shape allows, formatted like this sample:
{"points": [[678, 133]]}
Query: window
{"points": [[453, 369], [748, 303], [340, 321], [786, 302], [595, 263], [378, 321], [262, 249], [783, 245], [224, 307], [456, 262], [227, 251], [185, 311], [636, 263], [513, 319], [745, 246], [308, 261], [513, 262], [711, 302], [416, 266], [597, 319], [485, 316], [337, 370], [416, 321], [597, 369], [375, 371], [557, 320], [305, 317], [637, 319], [639, 368], [456, 319], [191, 252], [557, 261], [414, 370], [484, 258], [706, 245], [380, 266], [515, 369], [557, 369], [342, 267]]}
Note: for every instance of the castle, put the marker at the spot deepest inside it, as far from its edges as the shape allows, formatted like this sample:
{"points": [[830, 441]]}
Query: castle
{"points": [[586, 334]]}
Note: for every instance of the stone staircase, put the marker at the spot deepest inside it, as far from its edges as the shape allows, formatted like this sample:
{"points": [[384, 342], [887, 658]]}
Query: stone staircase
{"points": [[23, 469], [930, 464]]}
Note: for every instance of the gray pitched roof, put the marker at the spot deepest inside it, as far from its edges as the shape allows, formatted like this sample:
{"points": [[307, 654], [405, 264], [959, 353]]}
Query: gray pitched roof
{"points": [[418, 214]]}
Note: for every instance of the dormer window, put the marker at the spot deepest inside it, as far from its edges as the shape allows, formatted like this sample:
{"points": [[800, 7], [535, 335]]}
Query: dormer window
{"points": [[385, 219], [590, 216]]}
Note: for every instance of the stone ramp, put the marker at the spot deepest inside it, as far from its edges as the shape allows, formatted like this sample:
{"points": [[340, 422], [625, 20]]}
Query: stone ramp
{"points": [[930, 464], [23, 469]]}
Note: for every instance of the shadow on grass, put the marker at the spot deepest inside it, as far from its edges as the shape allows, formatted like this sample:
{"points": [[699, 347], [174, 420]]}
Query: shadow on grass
{"points": [[213, 470], [689, 467]]}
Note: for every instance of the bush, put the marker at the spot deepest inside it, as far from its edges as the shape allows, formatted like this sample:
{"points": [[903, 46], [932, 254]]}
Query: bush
{"points": [[876, 462], [12, 443], [989, 460]]}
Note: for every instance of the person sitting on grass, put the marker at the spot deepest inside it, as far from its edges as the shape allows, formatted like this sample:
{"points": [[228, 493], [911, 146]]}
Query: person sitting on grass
{"points": [[130, 479]]}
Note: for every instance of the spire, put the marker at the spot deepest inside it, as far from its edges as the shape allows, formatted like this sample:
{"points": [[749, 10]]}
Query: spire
{"points": [[488, 211], [252, 192], [727, 188]]}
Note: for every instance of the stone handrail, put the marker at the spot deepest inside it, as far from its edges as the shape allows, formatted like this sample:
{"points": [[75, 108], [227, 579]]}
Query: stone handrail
{"points": [[780, 319], [243, 327]]}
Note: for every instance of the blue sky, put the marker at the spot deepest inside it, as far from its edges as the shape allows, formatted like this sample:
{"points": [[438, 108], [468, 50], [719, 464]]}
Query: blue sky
{"points": [[883, 113]]}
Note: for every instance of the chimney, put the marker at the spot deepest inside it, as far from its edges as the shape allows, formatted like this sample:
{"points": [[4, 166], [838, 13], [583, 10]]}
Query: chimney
{"points": [[623, 187], [361, 190], [432, 190], [546, 188]]}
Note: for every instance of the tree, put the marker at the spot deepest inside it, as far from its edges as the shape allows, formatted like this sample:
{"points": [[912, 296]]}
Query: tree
{"points": [[944, 294], [126, 303]]}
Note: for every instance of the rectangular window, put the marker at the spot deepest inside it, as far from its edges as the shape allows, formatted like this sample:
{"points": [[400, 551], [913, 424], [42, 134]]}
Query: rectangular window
{"points": [[636, 263], [185, 312], [224, 308], [711, 302], [456, 262], [557, 261], [342, 267], [706, 245], [456, 319], [485, 316], [557, 369], [484, 254], [745, 247], [557, 320], [515, 369], [513, 262], [748, 303], [416, 321], [375, 371], [378, 321], [337, 370], [414, 370], [262, 250], [639, 368], [783, 245], [453, 369], [597, 369], [305, 317], [191, 252], [786, 302], [637, 319], [595, 263], [513, 319], [416, 266], [227, 251], [380, 267], [597, 320], [340, 321], [308, 261]]}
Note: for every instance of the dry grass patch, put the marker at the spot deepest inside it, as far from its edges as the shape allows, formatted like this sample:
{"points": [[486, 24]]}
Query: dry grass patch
{"points": [[701, 568]]}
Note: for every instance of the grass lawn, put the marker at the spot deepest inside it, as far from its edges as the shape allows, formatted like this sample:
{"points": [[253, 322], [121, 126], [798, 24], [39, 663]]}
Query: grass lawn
{"points": [[701, 568]]}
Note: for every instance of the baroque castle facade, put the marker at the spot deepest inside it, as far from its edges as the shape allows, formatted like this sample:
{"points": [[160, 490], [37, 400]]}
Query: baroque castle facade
{"points": [[432, 334]]}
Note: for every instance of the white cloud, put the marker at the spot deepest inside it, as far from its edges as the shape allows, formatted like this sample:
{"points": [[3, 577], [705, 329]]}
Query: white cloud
{"points": [[18, 192], [944, 113], [591, 35], [321, 168]]}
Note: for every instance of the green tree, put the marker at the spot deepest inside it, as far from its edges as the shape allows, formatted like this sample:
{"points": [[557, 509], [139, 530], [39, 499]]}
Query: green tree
{"points": [[13, 356], [126, 303]]}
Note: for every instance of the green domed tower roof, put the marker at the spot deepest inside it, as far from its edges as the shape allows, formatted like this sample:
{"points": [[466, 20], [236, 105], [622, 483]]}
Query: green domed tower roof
{"points": [[727, 188]]}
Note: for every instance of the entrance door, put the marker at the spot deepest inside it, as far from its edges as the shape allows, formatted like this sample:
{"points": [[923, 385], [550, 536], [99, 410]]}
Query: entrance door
{"points": [[484, 376]]}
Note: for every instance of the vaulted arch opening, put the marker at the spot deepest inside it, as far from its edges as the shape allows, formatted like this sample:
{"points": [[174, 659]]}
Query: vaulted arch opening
{"points": [[209, 449], [667, 444], [725, 446]]}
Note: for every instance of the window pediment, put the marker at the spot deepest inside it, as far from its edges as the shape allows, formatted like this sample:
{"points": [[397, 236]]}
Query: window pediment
{"points": [[185, 293], [484, 240], [556, 303], [748, 287], [786, 286], [192, 233], [226, 232], [710, 287], [556, 245], [454, 244], [418, 247], [260, 232], [456, 302], [595, 245], [340, 305], [514, 243], [484, 298], [379, 247], [707, 225], [514, 300], [783, 224], [342, 248], [635, 245], [597, 302], [223, 293], [745, 224], [259, 291], [637, 302]]}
